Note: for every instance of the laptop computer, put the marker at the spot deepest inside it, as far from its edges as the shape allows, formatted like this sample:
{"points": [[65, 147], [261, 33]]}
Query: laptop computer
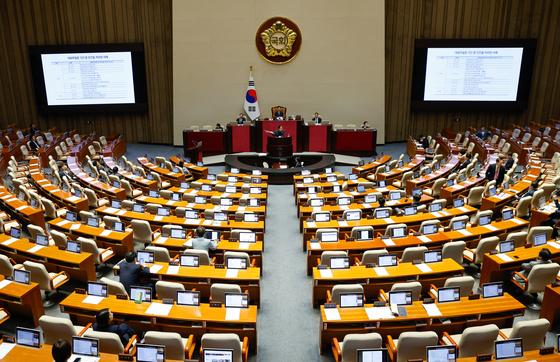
{"points": [[450, 294], [150, 353], [372, 355], [492, 290], [441, 354], [236, 300], [236, 263], [351, 300], [387, 260], [432, 256], [28, 337], [84, 348], [188, 297], [510, 348], [217, 355], [187, 260], [143, 294]]}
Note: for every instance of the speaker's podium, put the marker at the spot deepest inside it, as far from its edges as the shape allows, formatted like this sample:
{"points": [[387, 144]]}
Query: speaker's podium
{"points": [[279, 147]]}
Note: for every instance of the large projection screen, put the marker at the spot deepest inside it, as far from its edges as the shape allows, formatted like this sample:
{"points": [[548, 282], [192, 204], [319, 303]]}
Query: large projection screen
{"points": [[101, 77], [478, 75]]}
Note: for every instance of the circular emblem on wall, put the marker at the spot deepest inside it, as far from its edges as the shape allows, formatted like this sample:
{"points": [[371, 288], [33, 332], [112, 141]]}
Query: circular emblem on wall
{"points": [[278, 40]]}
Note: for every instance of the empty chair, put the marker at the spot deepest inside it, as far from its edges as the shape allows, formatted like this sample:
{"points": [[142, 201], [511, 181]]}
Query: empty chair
{"points": [[237, 254], [48, 282], [413, 253], [345, 213], [7, 266], [519, 238], [506, 148], [372, 256], [414, 287], [51, 212], [410, 345], [110, 221], [141, 231], [347, 350], [435, 223], [358, 230], [227, 341], [203, 257], [59, 239], [464, 283], [161, 184], [168, 290], [390, 228], [455, 219], [319, 232], [536, 230], [114, 287], [533, 332], [548, 188], [176, 347], [523, 208], [93, 201], [55, 328], [474, 340], [333, 296], [484, 246], [161, 254], [538, 198], [85, 215], [100, 255], [405, 177], [453, 250], [130, 192], [166, 229], [536, 142], [218, 291], [35, 230], [326, 256], [435, 191], [479, 214], [475, 196]]}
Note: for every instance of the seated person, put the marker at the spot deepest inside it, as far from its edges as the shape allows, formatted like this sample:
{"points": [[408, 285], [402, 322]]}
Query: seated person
{"points": [[279, 131], [241, 119], [466, 161], [132, 273], [219, 127], [201, 243], [365, 125], [317, 118], [33, 145], [544, 258], [279, 115], [104, 323], [61, 351]]}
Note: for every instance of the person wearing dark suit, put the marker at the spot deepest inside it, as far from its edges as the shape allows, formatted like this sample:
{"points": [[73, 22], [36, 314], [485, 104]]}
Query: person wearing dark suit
{"points": [[104, 323], [496, 172], [466, 161], [509, 163], [33, 145], [317, 118], [483, 133], [279, 115], [131, 273], [241, 119], [279, 131]]}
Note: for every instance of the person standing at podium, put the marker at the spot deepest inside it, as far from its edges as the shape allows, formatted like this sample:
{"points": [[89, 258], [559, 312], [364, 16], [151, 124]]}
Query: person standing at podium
{"points": [[279, 132], [241, 119], [317, 118]]}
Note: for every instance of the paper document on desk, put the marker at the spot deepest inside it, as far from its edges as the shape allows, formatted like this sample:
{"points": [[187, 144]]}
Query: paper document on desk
{"points": [[325, 273], [121, 212], [173, 269], [377, 313], [106, 233], [233, 314], [216, 223], [424, 239], [424, 268], [35, 249], [243, 246], [554, 244], [464, 232], [314, 246], [5, 348], [344, 207], [92, 299], [72, 198], [388, 242], [160, 240], [504, 257], [9, 241], [188, 243], [444, 213], [232, 273], [366, 206], [343, 223], [432, 310], [207, 222], [437, 214], [21, 208], [332, 314], [491, 227], [518, 221], [111, 210], [463, 209], [4, 283], [193, 221], [75, 226], [381, 271], [158, 218], [311, 224], [155, 268], [382, 189], [159, 309]]}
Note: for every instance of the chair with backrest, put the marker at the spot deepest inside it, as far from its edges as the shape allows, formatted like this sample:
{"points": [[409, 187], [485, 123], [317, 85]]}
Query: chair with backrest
{"points": [[228, 341], [93, 200], [276, 109], [59, 238], [413, 253], [390, 228], [537, 196], [111, 342], [142, 232], [453, 250], [48, 282], [357, 230], [533, 332], [114, 287], [539, 277], [475, 196], [100, 255], [203, 256], [485, 245], [519, 238], [51, 212], [238, 254], [405, 177], [218, 291], [523, 208], [55, 328], [333, 296], [161, 254], [347, 350], [464, 283], [372, 256], [536, 230], [435, 191], [168, 290], [410, 345], [476, 217], [414, 287], [474, 340], [176, 347], [8, 265], [326, 256]]}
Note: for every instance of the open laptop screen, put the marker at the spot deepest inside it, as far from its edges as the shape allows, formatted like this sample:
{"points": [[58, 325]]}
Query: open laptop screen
{"points": [[372, 355], [387, 260], [236, 300], [141, 293], [351, 300], [188, 297], [329, 237], [97, 289], [217, 355], [85, 346], [451, 294], [150, 353], [28, 337], [492, 290], [189, 260], [441, 354], [400, 298]]}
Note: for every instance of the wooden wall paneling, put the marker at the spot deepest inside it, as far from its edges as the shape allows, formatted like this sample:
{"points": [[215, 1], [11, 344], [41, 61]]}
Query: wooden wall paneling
{"points": [[38, 22], [407, 20]]}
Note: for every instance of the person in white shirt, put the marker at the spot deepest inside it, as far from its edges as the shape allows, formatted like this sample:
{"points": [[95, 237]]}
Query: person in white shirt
{"points": [[202, 243]]}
